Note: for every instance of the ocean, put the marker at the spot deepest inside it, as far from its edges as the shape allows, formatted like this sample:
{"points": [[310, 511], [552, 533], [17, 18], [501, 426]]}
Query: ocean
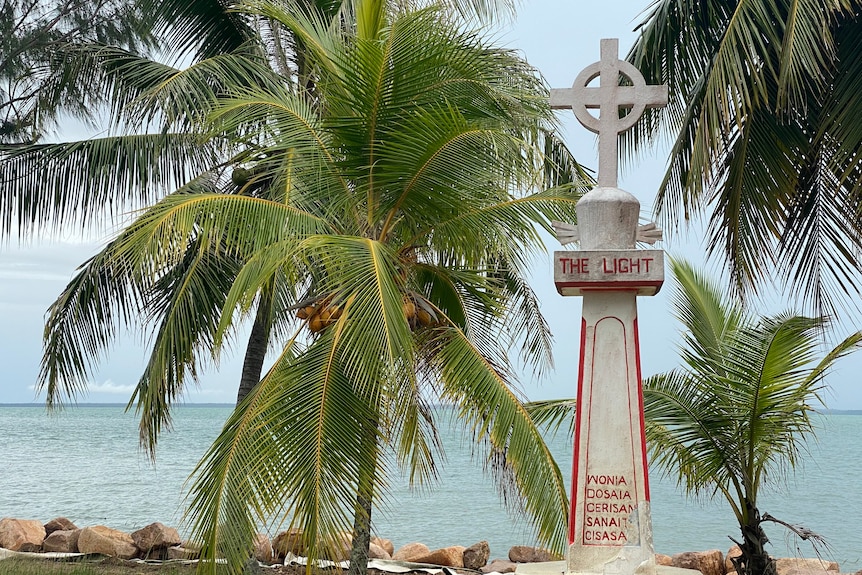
{"points": [[84, 463]]}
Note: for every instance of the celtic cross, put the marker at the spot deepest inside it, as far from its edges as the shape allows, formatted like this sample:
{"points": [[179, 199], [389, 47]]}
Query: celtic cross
{"points": [[609, 97]]}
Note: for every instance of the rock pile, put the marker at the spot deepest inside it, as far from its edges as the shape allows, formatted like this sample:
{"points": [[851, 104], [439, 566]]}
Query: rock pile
{"points": [[713, 562], [156, 541]]}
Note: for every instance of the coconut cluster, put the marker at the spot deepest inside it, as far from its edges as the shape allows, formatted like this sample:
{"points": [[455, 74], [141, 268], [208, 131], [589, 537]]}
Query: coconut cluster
{"points": [[321, 314], [418, 312]]}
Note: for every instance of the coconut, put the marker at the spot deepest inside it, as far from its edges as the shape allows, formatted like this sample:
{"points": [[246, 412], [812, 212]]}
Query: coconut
{"points": [[240, 177], [315, 324], [424, 317], [409, 309]]}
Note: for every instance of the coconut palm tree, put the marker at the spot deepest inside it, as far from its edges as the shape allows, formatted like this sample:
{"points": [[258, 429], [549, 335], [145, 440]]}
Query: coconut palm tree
{"points": [[32, 32], [764, 97], [736, 414], [95, 77], [386, 211]]}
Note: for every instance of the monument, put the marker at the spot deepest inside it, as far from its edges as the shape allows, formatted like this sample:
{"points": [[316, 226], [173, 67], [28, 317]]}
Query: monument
{"points": [[610, 528]]}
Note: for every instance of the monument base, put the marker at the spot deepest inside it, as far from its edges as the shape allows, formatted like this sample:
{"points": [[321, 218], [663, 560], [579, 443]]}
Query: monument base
{"points": [[559, 568]]}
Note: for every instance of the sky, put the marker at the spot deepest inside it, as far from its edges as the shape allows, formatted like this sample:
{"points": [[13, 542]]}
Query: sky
{"points": [[559, 38]]}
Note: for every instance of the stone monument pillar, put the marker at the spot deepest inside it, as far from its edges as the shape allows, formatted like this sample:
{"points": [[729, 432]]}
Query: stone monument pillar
{"points": [[610, 529]]}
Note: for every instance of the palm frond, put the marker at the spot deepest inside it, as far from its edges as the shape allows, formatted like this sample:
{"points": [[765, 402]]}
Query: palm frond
{"points": [[494, 413], [91, 178], [554, 413], [291, 451], [186, 301]]}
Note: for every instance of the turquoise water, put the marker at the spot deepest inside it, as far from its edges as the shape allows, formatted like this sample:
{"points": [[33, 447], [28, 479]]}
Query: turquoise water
{"points": [[84, 463]]}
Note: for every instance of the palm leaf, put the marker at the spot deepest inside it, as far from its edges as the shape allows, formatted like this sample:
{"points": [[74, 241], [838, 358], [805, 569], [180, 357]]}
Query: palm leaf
{"points": [[517, 453], [91, 177]]}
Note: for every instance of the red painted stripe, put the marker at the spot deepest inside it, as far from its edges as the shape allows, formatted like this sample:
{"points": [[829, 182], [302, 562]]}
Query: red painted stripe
{"points": [[641, 410], [610, 284], [573, 502]]}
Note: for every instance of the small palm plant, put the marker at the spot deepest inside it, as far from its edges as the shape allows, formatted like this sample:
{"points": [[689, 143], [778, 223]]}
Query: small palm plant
{"points": [[738, 411]]}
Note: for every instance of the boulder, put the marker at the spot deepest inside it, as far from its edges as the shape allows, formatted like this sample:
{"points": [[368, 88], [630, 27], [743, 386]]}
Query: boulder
{"points": [[732, 553], [375, 551], [339, 549], [664, 560], [386, 544], [499, 566], [183, 553], [707, 562], [445, 557], [155, 537], [526, 554], [789, 565], [476, 555], [21, 534], [62, 541], [262, 549], [411, 551], [107, 541], [289, 541], [59, 524]]}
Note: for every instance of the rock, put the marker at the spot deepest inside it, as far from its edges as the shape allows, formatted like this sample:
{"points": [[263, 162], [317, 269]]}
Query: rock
{"points": [[733, 552], [155, 537], [386, 544], [445, 557], [339, 549], [410, 551], [289, 541], [526, 554], [252, 567], [59, 524], [707, 562], [21, 534], [262, 549], [182, 553], [62, 541], [107, 541], [665, 560], [818, 571], [787, 565], [375, 551], [476, 555], [499, 566]]}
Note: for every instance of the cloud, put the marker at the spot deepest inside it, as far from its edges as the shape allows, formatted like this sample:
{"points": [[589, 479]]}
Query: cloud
{"points": [[110, 387]]}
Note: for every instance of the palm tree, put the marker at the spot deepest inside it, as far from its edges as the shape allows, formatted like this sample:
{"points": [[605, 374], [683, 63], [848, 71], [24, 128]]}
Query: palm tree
{"points": [[32, 32], [738, 411], [395, 231], [98, 74], [49, 185], [764, 98]]}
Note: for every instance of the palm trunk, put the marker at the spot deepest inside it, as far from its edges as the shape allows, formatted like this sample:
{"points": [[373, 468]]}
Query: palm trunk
{"points": [[364, 501], [755, 560], [255, 351]]}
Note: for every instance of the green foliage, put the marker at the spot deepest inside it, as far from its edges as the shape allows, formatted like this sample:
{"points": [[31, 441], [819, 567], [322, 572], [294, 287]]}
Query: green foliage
{"points": [[397, 188], [15, 566], [736, 415], [33, 35], [763, 100]]}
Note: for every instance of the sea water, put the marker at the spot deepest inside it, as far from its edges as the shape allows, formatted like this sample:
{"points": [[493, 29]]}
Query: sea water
{"points": [[84, 463]]}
